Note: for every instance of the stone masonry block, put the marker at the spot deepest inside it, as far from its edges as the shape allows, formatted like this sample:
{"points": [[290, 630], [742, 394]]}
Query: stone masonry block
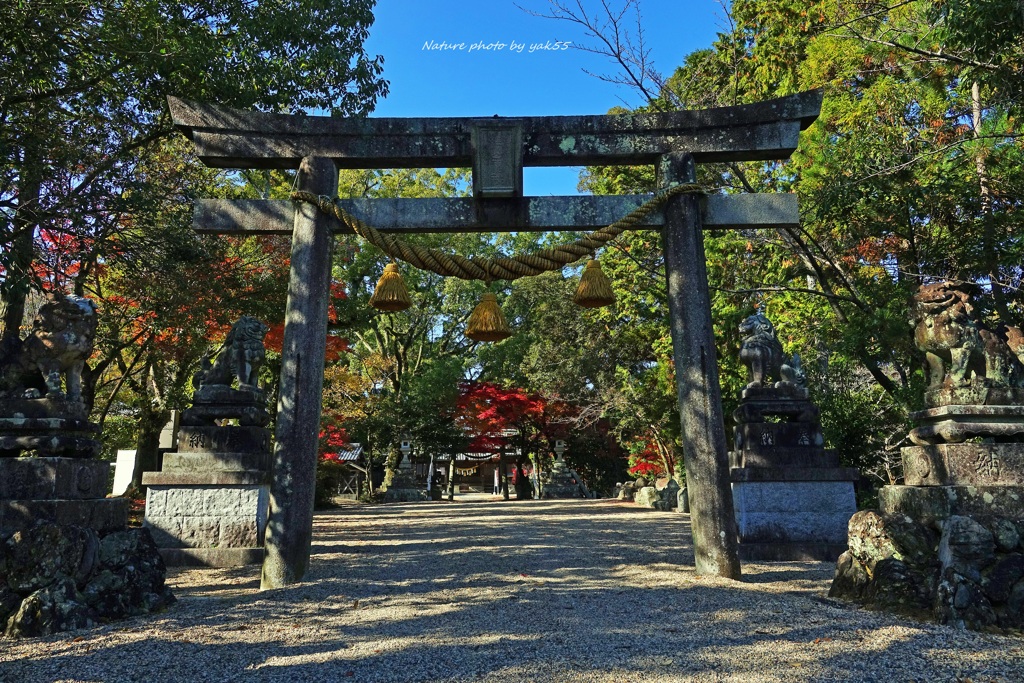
{"points": [[200, 532], [790, 527], [166, 531], [239, 533], [819, 497], [208, 516]]}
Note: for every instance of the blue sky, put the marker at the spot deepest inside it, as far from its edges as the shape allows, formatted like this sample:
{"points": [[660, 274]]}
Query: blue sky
{"points": [[470, 81]]}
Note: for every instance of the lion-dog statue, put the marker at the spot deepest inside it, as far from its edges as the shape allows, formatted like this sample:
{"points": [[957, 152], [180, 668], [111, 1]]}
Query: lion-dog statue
{"points": [[762, 353], [60, 342], [239, 357], [958, 348]]}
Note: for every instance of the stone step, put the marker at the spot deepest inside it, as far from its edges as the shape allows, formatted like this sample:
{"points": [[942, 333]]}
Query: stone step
{"points": [[211, 557], [791, 552], [209, 478], [923, 503]]}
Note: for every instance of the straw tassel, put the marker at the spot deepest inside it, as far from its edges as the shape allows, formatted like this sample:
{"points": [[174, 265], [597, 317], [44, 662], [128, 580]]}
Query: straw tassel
{"points": [[595, 289], [390, 294], [487, 323]]}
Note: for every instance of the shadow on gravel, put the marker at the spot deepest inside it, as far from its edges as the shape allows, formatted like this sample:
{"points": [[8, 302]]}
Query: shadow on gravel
{"points": [[524, 591]]}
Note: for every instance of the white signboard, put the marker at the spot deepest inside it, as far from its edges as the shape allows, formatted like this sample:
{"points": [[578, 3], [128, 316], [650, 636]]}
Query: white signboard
{"points": [[124, 468]]}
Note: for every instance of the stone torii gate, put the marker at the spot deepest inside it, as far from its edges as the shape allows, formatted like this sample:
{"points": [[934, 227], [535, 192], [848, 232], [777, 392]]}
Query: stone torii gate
{"points": [[497, 149]]}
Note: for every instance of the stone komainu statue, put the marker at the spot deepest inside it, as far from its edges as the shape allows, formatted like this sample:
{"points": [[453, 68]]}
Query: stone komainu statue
{"points": [[762, 353], [239, 357], [958, 348], [58, 346]]}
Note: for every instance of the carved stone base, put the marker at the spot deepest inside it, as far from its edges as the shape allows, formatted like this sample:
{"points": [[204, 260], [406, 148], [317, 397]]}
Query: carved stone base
{"points": [[959, 423], [219, 402], [226, 439], [41, 408], [791, 552], [103, 515], [211, 557], [53, 478], [396, 494], [404, 488], [964, 464], [978, 393], [39, 425], [210, 502]]}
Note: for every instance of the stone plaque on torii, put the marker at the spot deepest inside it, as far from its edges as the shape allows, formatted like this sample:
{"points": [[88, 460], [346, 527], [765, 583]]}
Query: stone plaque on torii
{"points": [[497, 149]]}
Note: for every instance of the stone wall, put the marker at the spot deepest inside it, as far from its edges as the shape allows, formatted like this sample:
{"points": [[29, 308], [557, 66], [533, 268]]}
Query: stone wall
{"points": [[57, 577], [967, 571]]}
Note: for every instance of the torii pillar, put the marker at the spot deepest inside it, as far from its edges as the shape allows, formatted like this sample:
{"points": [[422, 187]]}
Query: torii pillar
{"points": [[300, 389]]}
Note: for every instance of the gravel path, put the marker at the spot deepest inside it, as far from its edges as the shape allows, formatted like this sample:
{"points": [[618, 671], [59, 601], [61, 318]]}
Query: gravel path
{"points": [[512, 592]]}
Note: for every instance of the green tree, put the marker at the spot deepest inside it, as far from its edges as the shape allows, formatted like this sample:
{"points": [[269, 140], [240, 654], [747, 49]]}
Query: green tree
{"points": [[82, 100]]}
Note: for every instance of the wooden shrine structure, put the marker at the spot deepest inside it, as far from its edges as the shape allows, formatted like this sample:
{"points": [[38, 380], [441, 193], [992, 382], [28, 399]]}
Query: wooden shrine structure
{"points": [[497, 149]]}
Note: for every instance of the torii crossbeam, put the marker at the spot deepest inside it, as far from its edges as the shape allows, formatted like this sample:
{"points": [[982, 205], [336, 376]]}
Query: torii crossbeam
{"points": [[497, 149]]}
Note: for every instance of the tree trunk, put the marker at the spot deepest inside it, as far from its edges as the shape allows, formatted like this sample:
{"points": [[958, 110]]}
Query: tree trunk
{"points": [[147, 446], [990, 247], [18, 283]]}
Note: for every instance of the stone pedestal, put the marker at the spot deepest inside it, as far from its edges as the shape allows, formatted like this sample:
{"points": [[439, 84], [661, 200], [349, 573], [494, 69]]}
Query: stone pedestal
{"points": [[208, 506], [963, 505], [561, 482], [956, 479], [947, 544], [62, 484], [791, 498], [404, 488]]}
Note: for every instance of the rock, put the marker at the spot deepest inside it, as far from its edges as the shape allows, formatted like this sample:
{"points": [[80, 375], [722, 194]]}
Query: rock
{"points": [[966, 546], [901, 588], [130, 546], [1014, 614], [850, 580], [9, 603], [50, 610], [120, 575], [647, 497], [35, 557], [627, 492], [683, 501], [136, 572], [670, 494], [961, 602], [874, 537], [106, 593], [1004, 533], [1006, 572], [890, 565]]}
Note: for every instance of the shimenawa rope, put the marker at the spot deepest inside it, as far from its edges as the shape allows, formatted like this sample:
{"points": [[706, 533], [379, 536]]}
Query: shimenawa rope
{"points": [[503, 268]]}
